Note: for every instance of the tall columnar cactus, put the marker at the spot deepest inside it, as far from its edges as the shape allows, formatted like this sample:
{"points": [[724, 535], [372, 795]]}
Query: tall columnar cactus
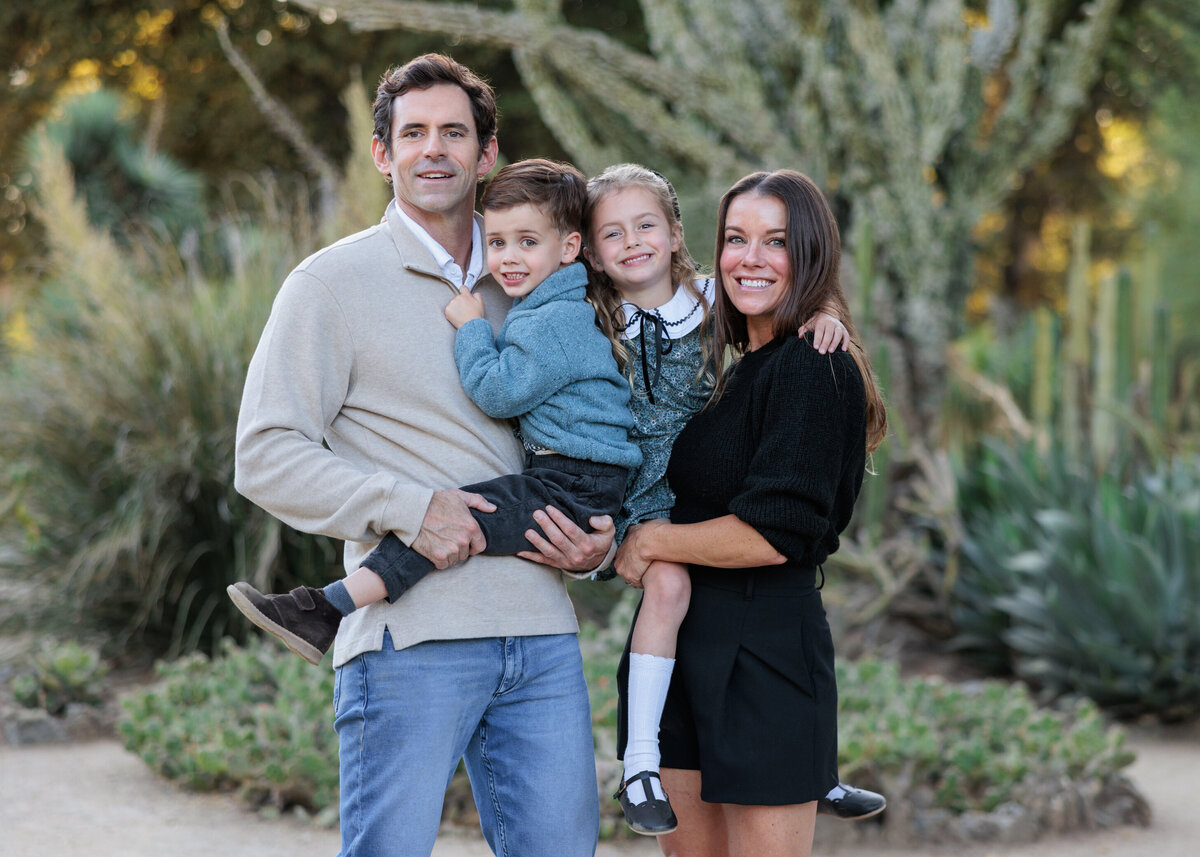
{"points": [[1126, 335], [1077, 352], [919, 115], [1160, 367], [1104, 382], [1044, 363], [873, 504]]}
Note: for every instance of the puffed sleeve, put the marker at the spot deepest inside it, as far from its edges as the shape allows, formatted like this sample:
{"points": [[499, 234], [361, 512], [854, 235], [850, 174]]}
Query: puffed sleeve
{"points": [[807, 467]]}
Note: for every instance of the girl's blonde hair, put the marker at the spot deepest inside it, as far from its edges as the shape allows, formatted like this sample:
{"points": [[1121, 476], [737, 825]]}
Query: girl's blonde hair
{"points": [[684, 270]]}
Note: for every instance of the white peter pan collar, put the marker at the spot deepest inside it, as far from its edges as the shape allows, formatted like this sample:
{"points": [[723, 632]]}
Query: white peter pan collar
{"points": [[679, 316]]}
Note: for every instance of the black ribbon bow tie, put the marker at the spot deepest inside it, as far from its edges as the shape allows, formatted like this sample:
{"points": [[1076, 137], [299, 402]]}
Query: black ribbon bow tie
{"points": [[652, 328]]}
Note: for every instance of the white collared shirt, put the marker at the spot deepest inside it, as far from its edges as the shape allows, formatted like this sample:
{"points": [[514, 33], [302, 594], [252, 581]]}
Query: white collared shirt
{"points": [[445, 261]]}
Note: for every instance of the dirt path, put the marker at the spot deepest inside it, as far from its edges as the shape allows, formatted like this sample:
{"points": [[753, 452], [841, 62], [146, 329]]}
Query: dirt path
{"points": [[95, 800]]}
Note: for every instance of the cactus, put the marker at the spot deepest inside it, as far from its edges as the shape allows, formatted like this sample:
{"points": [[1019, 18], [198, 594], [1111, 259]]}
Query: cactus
{"points": [[1127, 321], [1103, 419], [1044, 363], [873, 505], [1075, 364], [1160, 367]]}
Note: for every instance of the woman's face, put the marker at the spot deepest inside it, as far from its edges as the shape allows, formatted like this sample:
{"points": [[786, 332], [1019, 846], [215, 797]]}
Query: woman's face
{"points": [[755, 271]]}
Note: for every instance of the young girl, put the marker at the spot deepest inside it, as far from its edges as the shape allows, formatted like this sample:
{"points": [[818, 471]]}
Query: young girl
{"points": [[648, 295]]}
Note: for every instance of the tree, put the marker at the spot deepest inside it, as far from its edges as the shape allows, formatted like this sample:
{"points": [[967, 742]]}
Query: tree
{"points": [[165, 57], [917, 117]]}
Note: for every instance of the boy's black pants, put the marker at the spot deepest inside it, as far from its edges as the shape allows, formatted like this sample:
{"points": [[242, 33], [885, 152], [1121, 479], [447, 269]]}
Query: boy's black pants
{"points": [[578, 488]]}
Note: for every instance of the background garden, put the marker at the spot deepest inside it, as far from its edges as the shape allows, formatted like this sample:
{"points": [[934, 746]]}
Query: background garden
{"points": [[1017, 184]]}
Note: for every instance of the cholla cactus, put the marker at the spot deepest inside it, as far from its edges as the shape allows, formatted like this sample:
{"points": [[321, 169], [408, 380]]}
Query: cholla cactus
{"points": [[919, 115]]}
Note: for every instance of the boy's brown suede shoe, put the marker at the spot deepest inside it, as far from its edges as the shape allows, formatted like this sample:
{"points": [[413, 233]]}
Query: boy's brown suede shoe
{"points": [[304, 619]]}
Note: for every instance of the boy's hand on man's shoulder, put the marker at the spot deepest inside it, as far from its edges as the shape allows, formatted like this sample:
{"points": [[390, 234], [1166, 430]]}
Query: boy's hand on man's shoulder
{"points": [[464, 307]]}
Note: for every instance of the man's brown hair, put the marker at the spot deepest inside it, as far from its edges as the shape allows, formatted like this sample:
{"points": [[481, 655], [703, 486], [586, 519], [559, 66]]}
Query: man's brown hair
{"points": [[427, 71]]}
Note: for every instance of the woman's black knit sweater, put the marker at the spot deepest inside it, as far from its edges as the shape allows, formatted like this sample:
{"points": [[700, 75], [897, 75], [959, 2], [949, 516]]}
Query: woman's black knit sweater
{"points": [[783, 449]]}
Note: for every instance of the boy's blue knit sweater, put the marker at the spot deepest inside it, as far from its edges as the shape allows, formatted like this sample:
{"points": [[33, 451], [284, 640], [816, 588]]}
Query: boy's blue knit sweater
{"points": [[553, 369]]}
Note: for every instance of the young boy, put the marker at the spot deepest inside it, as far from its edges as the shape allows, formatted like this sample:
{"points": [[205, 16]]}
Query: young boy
{"points": [[550, 367]]}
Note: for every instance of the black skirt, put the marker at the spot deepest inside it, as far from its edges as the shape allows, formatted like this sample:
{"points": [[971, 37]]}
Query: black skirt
{"points": [[753, 698]]}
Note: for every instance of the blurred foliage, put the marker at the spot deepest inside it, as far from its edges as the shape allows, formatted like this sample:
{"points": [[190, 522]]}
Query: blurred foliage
{"points": [[191, 103], [1083, 582], [58, 675], [974, 747], [253, 719], [1153, 57], [122, 399], [126, 188]]}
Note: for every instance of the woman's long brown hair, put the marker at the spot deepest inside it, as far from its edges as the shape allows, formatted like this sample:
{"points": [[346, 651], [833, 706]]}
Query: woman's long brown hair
{"points": [[814, 249]]}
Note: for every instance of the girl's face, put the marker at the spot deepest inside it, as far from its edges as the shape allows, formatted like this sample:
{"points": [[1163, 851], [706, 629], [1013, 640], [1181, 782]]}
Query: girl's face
{"points": [[632, 241], [755, 270]]}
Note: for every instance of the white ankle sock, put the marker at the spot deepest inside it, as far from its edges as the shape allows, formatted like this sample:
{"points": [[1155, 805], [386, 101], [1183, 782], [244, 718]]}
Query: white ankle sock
{"points": [[836, 793], [649, 678]]}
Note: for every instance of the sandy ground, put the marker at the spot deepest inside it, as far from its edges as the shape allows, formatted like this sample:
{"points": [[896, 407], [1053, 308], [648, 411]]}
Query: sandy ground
{"points": [[95, 799]]}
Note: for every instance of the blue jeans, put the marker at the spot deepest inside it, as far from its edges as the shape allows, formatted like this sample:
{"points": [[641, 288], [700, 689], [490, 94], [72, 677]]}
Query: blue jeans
{"points": [[515, 709]]}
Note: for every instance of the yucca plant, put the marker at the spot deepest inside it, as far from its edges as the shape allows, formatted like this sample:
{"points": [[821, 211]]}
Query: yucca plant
{"points": [[126, 187], [1083, 584]]}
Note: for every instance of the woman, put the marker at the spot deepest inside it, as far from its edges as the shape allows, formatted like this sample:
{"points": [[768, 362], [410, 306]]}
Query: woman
{"points": [[765, 478]]}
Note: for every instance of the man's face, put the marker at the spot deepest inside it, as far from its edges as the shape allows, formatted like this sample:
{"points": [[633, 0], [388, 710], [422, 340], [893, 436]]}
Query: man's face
{"points": [[435, 159]]}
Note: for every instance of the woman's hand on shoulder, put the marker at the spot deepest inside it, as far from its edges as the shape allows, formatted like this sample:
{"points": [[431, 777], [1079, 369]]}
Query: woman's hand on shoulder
{"points": [[828, 333]]}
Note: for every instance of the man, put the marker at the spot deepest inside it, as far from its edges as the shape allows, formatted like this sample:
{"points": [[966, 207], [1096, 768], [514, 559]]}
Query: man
{"points": [[352, 422]]}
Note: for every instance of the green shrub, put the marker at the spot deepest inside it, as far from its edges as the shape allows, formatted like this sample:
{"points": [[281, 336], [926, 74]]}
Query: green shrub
{"points": [[61, 674], [117, 424], [255, 719], [127, 188], [1083, 584], [975, 746]]}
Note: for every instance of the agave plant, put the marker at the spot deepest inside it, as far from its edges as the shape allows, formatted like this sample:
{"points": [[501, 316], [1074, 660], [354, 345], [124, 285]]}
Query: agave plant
{"points": [[1087, 585]]}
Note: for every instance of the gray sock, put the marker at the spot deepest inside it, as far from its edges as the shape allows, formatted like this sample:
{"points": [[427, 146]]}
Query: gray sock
{"points": [[339, 596]]}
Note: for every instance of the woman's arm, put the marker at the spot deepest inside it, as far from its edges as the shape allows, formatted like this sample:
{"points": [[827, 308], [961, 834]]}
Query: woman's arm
{"points": [[725, 542]]}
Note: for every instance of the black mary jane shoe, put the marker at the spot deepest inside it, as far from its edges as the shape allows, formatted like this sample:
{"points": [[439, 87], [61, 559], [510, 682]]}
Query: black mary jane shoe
{"points": [[651, 817], [854, 805]]}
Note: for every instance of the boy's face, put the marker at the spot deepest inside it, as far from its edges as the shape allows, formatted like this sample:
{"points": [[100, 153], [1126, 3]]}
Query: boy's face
{"points": [[524, 248]]}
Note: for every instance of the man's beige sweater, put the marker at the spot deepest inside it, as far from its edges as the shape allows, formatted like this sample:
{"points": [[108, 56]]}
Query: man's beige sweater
{"points": [[357, 353]]}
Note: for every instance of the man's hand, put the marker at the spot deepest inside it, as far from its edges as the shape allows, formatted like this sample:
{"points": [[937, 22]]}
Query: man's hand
{"points": [[464, 307], [828, 333], [448, 533], [566, 546]]}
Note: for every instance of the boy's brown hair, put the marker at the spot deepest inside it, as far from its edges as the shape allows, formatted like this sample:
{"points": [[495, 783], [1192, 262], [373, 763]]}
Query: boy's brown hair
{"points": [[556, 189]]}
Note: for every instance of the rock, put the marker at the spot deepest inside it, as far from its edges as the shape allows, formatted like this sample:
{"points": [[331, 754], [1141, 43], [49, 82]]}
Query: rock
{"points": [[1014, 823], [25, 726]]}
